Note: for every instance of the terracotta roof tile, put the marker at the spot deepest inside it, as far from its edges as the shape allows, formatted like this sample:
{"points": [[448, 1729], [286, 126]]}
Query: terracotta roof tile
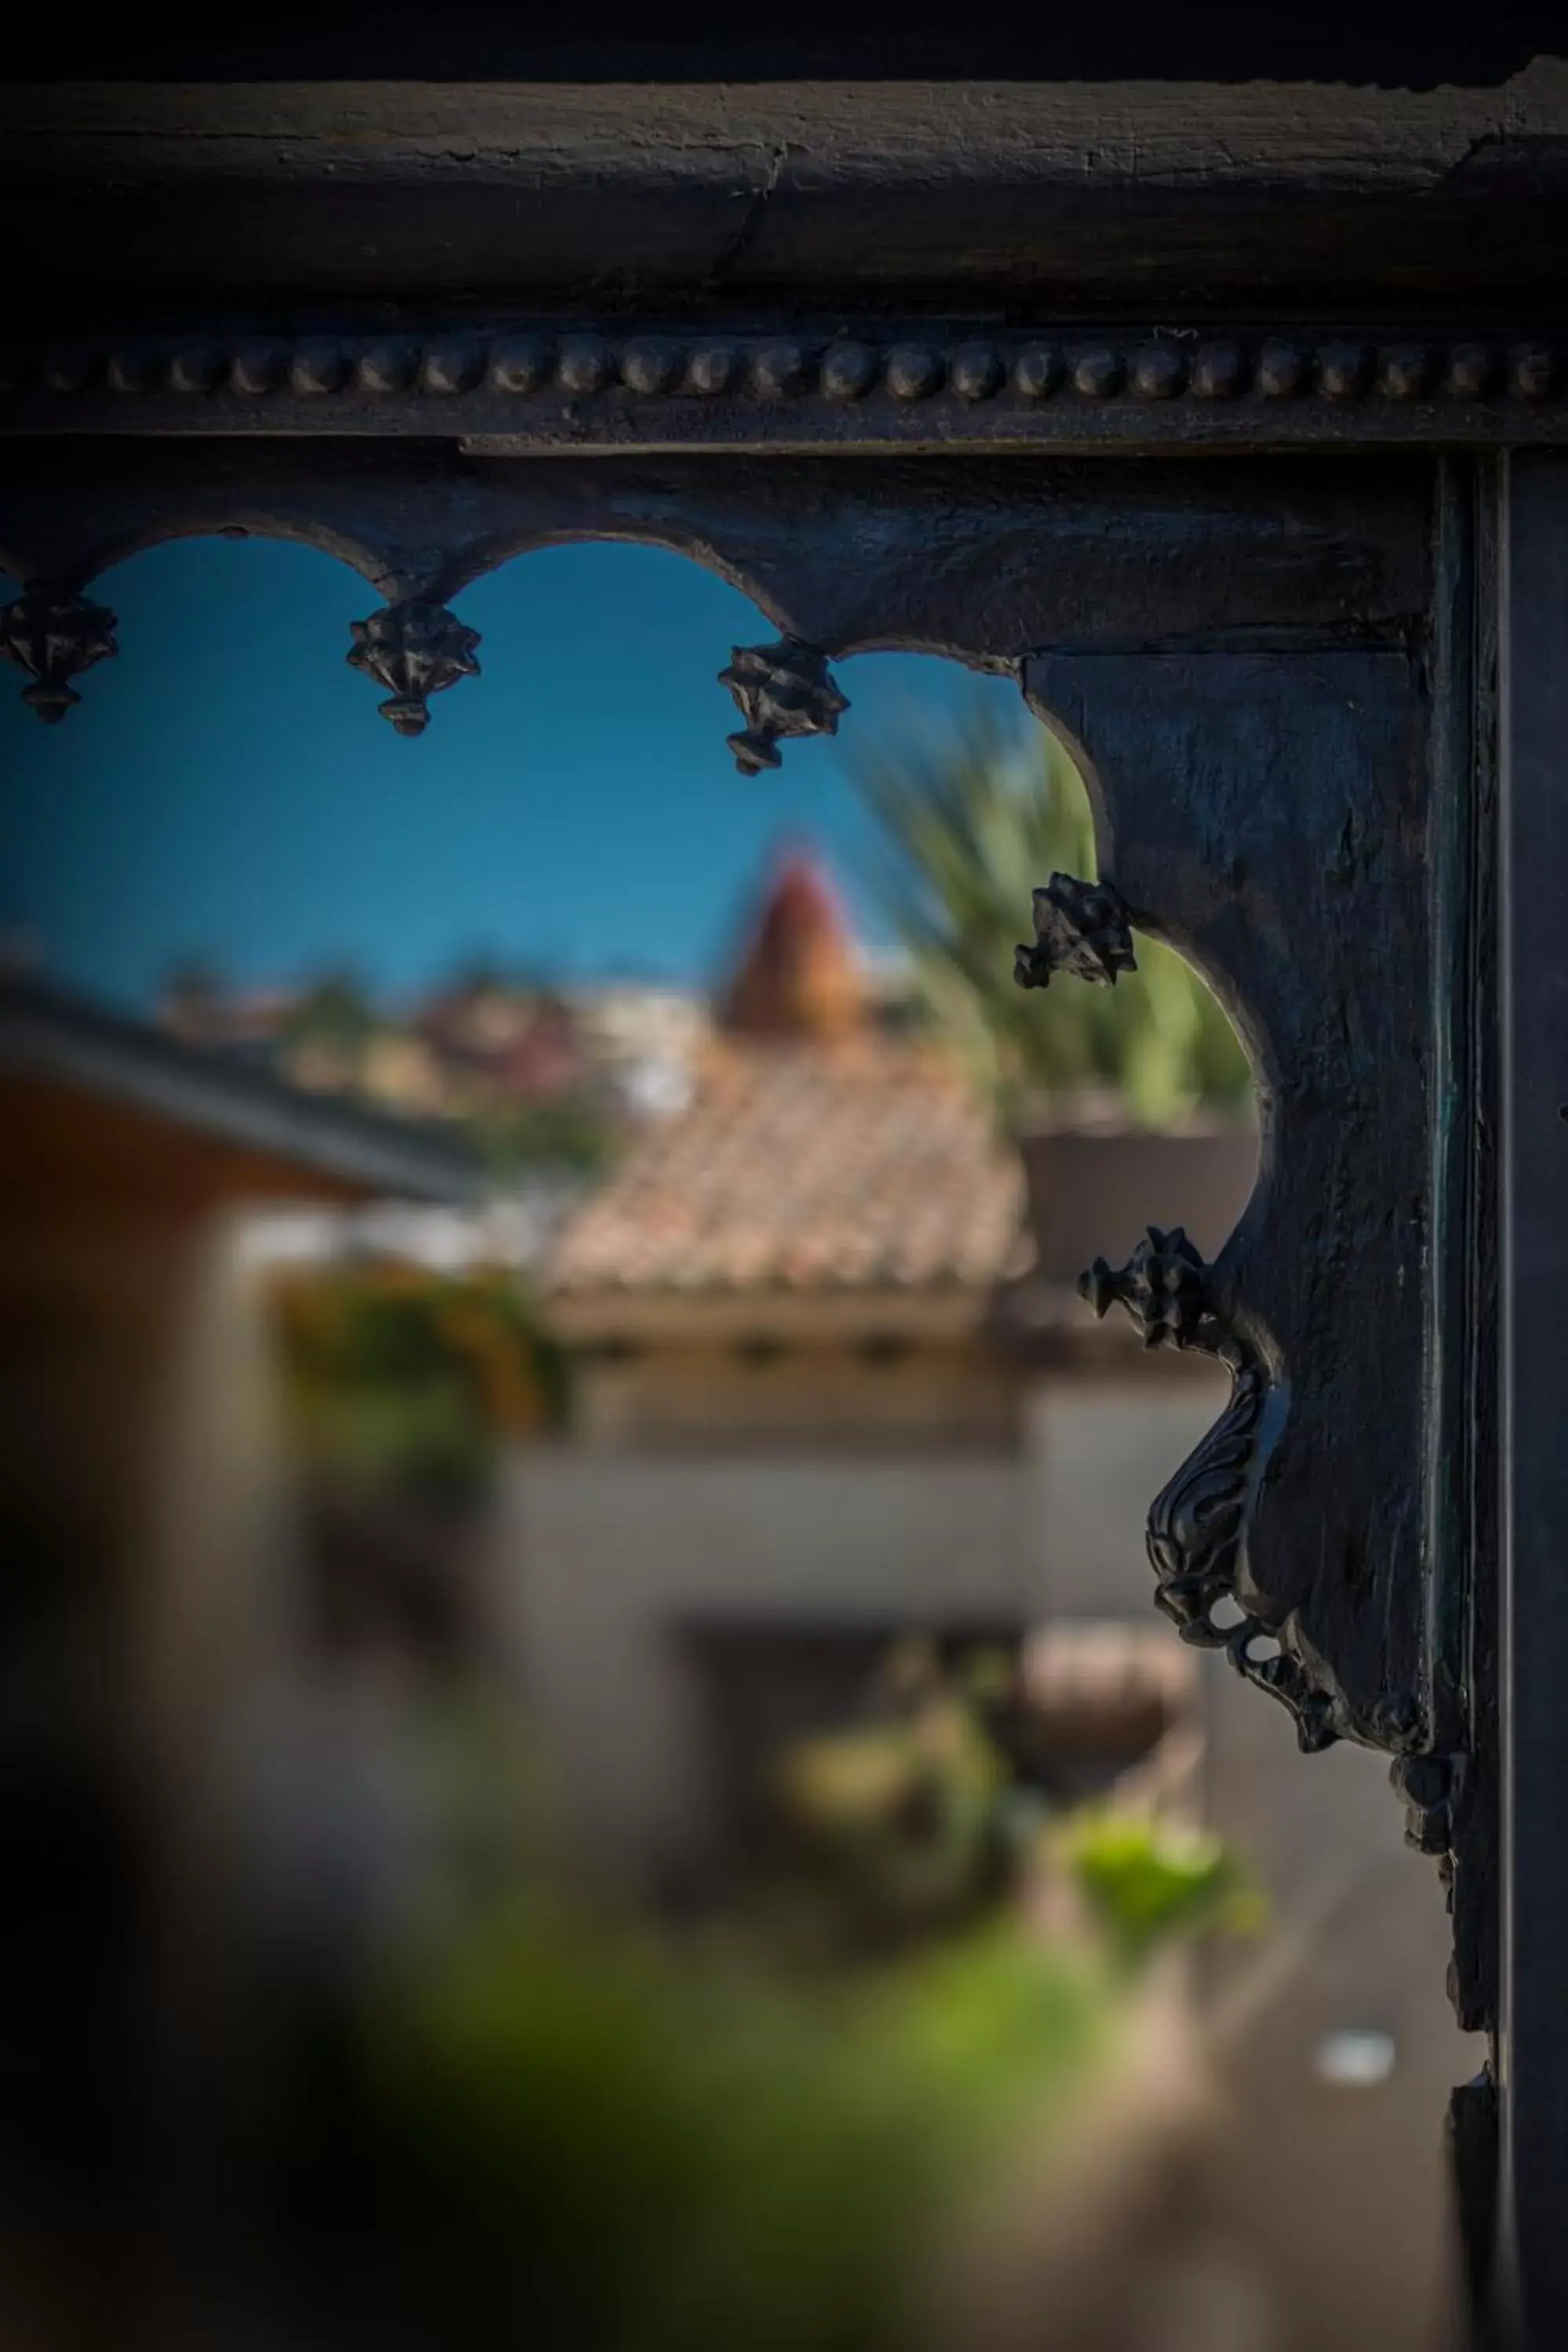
{"points": [[866, 1164]]}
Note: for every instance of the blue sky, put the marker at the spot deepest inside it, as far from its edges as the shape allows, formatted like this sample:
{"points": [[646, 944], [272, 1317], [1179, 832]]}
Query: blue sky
{"points": [[226, 788]]}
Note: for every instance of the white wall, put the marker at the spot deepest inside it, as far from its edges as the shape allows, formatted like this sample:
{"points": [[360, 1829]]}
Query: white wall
{"points": [[1097, 1454], [608, 1553]]}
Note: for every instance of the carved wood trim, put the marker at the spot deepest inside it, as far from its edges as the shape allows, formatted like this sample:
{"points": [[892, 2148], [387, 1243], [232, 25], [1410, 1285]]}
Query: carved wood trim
{"points": [[1255, 812], [505, 386], [1236, 652], [1198, 1522]]}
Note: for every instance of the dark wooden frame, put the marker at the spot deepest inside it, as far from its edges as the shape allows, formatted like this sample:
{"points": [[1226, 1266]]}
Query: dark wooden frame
{"points": [[1293, 582]]}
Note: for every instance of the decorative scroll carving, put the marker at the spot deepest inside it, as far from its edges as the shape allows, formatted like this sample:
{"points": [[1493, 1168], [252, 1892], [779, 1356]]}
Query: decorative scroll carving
{"points": [[1197, 1524], [1079, 927], [783, 690], [54, 636], [416, 648]]}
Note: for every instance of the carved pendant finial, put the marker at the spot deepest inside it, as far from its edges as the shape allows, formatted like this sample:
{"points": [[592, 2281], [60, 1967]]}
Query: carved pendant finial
{"points": [[54, 636], [1079, 927], [783, 690], [416, 648], [1163, 1287]]}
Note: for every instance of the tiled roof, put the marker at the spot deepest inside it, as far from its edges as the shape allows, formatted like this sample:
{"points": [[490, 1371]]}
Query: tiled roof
{"points": [[866, 1164]]}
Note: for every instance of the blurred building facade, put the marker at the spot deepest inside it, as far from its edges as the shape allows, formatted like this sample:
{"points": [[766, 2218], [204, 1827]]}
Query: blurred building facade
{"points": [[146, 1588], [128, 1152], [834, 1383], [790, 1422], [833, 1386]]}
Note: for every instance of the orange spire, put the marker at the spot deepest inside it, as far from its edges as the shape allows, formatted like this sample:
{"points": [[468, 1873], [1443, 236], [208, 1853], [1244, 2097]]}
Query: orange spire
{"points": [[799, 975]]}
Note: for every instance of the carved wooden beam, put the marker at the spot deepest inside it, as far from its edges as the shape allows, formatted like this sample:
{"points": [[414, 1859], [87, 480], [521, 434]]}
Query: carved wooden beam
{"points": [[998, 168], [1261, 749]]}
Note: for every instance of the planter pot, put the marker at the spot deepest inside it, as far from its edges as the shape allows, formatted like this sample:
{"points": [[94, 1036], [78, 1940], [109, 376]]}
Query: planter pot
{"points": [[1092, 1189]]}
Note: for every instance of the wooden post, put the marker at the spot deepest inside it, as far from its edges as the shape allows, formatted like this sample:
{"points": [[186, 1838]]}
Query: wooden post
{"points": [[1532, 2041]]}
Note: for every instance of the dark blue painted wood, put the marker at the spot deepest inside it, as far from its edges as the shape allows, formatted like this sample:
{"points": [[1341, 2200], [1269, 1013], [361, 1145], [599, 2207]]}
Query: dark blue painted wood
{"points": [[1534, 909]]}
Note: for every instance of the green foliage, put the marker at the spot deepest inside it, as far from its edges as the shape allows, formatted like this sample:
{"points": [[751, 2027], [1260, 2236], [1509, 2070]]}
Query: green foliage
{"points": [[904, 1821], [1145, 1879], [571, 1134], [335, 1013], [564, 2126], [400, 1377], [969, 828], [618, 2143]]}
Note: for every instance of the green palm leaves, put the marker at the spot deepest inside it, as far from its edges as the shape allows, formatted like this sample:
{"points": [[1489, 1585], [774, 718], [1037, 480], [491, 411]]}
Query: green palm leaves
{"points": [[968, 827]]}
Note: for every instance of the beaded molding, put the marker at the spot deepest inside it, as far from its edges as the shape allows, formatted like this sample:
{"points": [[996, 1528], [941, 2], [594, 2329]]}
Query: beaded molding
{"points": [[480, 377]]}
